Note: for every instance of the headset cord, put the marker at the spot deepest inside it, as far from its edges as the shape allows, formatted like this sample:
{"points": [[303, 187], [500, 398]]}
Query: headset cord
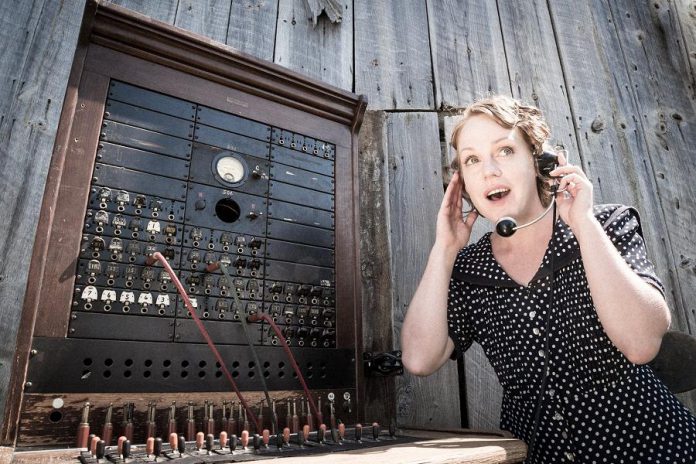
{"points": [[547, 333]]}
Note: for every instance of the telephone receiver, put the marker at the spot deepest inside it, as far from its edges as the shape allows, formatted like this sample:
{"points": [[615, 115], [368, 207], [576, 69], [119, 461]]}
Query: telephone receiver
{"points": [[546, 162]]}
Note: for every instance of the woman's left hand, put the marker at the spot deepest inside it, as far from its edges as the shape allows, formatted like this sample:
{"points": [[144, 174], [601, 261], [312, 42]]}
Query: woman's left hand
{"points": [[575, 199]]}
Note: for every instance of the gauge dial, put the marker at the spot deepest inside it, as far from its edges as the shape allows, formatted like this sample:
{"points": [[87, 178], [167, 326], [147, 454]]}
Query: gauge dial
{"points": [[230, 169]]}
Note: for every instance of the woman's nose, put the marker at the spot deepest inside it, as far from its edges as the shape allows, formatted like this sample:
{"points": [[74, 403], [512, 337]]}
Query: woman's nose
{"points": [[491, 168]]}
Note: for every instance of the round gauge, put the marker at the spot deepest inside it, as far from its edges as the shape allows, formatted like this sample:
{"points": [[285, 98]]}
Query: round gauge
{"points": [[230, 169]]}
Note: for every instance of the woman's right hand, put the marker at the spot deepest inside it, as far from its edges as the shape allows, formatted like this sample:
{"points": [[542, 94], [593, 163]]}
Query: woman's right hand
{"points": [[453, 230]]}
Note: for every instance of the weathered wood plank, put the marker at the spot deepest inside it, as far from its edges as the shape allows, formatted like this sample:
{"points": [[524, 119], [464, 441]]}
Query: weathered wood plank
{"points": [[534, 65], [685, 11], [392, 55], [415, 193], [375, 258], [666, 110], [34, 72], [467, 49], [324, 51], [205, 17], [252, 27], [607, 120], [162, 10]]}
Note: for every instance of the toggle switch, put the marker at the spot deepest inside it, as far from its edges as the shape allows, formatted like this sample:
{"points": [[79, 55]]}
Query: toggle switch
{"points": [[127, 298], [163, 300], [170, 230], [196, 234], [153, 227], [89, 294], [136, 225], [116, 245], [112, 270], [119, 222], [134, 248], [156, 205], [194, 256], [104, 195]]}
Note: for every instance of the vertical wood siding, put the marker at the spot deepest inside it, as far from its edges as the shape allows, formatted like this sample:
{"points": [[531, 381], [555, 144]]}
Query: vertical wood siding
{"points": [[615, 79]]}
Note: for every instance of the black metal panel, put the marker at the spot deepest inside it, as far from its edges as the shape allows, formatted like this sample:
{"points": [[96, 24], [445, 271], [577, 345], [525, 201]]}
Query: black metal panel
{"points": [[229, 240], [290, 212], [203, 158], [117, 275], [81, 366], [297, 176], [116, 307], [136, 181], [140, 160], [152, 100], [302, 160], [137, 204], [232, 123], [202, 201], [136, 254], [104, 326], [152, 230], [301, 196], [301, 234], [303, 143], [222, 332], [144, 139], [302, 254], [301, 273], [231, 141], [147, 119], [207, 287]]}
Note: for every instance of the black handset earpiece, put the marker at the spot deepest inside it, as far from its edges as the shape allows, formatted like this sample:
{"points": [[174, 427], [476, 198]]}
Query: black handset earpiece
{"points": [[547, 162]]}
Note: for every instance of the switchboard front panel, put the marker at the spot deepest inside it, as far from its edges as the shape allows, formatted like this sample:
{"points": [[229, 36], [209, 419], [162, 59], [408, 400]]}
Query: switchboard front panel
{"points": [[248, 192]]}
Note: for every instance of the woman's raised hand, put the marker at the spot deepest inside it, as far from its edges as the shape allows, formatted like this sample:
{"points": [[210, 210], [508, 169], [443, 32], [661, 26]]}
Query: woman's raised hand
{"points": [[453, 230]]}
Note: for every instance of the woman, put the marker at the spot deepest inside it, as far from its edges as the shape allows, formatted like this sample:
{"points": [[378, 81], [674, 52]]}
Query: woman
{"points": [[567, 313]]}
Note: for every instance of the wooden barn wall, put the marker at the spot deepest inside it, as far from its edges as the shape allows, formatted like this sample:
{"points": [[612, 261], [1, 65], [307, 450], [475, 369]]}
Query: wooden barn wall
{"points": [[615, 79]]}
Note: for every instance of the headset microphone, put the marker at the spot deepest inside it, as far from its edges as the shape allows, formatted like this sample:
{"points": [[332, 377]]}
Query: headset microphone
{"points": [[546, 162]]}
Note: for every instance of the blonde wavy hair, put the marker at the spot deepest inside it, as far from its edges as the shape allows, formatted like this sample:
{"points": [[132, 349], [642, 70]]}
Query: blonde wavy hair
{"points": [[511, 113]]}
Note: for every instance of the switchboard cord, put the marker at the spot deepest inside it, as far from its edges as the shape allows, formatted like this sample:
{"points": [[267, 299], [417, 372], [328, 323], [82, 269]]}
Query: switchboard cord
{"points": [[245, 329], [157, 256], [283, 342]]}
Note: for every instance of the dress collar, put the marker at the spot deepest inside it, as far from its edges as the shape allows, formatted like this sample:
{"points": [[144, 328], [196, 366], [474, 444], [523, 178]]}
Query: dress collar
{"points": [[476, 264]]}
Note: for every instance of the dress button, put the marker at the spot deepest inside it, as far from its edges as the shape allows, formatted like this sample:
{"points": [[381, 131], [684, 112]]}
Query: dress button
{"points": [[551, 392], [532, 314], [541, 353], [570, 456], [564, 434], [536, 330], [557, 417]]}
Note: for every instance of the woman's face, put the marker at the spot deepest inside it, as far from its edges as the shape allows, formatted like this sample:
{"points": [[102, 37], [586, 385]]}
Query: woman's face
{"points": [[497, 170]]}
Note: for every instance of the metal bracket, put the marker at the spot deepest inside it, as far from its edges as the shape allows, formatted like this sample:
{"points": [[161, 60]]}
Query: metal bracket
{"points": [[383, 364]]}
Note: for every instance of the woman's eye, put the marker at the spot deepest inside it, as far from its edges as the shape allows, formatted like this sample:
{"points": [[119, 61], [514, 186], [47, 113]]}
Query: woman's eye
{"points": [[506, 151], [470, 160]]}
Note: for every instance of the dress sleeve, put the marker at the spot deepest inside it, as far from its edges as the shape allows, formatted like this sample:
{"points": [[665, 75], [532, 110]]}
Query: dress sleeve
{"points": [[459, 327], [625, 232]]}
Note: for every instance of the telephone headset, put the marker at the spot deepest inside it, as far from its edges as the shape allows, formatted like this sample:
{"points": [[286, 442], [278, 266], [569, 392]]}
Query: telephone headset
{"points": [[546, 162]]}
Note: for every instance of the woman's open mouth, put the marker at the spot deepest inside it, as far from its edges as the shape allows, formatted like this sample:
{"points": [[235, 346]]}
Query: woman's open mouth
{"points": [[497, 194]]}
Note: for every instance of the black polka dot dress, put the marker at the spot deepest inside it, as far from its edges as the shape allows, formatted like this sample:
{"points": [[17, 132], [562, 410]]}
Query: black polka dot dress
{"points": [[596, 406]]}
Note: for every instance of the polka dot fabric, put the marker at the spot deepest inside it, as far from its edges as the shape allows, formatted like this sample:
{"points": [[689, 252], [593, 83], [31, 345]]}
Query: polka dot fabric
{"points": [[598, 407]]}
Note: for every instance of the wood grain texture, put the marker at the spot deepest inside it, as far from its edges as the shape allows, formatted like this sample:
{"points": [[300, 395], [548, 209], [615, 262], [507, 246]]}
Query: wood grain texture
{"points": [[252, 27], [323, 51], [161, 10], [686, 14], [34, 72], [392, 55], [209, 18], [415, 194], [607, 121], [467, 51], [536, 75], [375, 258], [666, 113]]}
